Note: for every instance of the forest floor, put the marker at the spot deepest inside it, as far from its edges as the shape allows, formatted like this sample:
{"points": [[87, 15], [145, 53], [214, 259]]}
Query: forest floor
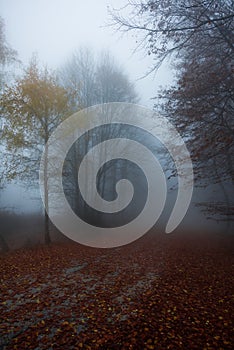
{"points": [[160, 292]]}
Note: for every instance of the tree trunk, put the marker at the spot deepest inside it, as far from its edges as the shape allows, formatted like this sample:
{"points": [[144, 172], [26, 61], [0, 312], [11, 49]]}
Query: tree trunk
{"points": [[46, 199], [47, 229], [226, 198]]}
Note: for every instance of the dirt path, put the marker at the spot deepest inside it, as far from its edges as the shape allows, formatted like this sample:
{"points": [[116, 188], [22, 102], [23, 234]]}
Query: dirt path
{"points": [[161, 292]]}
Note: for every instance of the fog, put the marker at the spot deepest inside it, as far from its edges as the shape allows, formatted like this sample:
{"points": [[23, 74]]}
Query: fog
{"points": [[116, 174], [54, 30]]}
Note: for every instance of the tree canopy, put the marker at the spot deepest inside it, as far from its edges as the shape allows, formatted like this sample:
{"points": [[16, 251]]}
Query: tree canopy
{"points": [[96, 80], [32, 108], [7, 54], [198, 35]]}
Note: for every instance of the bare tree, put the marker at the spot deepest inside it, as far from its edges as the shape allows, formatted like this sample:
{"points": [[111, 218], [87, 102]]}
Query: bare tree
{"points": [[198, 35], [78, 76], [95, 80], [112, 85], [169, 27]]}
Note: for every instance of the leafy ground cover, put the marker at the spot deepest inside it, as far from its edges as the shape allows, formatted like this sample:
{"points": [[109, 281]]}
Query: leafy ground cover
{"points": [[160, 292]]}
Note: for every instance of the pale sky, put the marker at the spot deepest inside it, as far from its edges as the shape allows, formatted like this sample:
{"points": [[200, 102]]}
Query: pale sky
{"points": [[55, 28]]}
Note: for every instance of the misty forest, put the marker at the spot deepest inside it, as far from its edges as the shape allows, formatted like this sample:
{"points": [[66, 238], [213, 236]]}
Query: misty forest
{"points": [[160, 291]]}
